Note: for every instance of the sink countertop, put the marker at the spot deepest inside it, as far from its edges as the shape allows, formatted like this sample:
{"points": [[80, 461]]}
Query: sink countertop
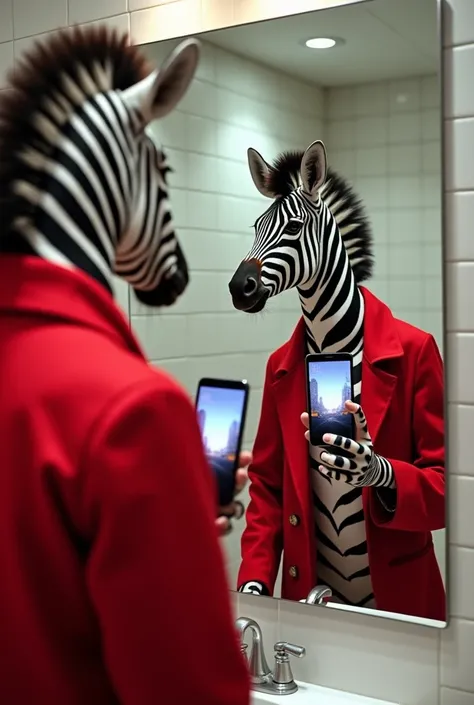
{"points": [[308, 694]]}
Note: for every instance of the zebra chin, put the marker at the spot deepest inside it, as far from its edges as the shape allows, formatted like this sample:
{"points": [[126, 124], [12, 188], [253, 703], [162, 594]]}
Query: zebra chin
{"points": [[260, 304], [170, 287], [166, 293], [253, 305]]}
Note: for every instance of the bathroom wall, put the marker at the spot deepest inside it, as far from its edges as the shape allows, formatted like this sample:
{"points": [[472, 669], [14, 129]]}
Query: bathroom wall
{"points": [[386, 137], [400, 662], [233, 104]]}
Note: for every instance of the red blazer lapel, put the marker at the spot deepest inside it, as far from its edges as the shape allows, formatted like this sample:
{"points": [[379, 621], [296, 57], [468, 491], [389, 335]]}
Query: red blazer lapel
{"points": [[378, 387], [290, 395], [381, 345]]}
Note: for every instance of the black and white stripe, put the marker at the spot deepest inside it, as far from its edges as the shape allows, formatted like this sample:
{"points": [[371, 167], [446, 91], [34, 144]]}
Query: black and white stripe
{"points": [[102, 182], [315, 237], [354, 460], [88, 186]]}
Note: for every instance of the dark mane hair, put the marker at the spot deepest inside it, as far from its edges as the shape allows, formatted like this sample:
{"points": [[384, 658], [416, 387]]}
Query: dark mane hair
{"points": [[50, 83], [342, 201]]}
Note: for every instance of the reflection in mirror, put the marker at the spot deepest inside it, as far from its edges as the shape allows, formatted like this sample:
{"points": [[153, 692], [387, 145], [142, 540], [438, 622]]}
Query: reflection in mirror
{"points": [[307, 190]]}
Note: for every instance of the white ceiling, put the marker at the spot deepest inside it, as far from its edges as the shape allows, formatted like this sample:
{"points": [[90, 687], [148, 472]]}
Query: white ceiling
{"points": [[383, 39]]}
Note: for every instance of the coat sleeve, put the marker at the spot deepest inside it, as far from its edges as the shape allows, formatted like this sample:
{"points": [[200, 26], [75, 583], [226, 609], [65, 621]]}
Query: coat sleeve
{"points": [[155, 572], [262, 538], [420, 486]]}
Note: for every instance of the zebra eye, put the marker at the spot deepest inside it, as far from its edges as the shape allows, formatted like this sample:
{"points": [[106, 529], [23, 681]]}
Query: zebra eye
{"points": [[292, 227]]}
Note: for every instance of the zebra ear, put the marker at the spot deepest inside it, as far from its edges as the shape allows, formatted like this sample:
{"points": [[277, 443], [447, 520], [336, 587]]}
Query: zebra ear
{"points": [[260, 171], [159, 93], [313, 168]]}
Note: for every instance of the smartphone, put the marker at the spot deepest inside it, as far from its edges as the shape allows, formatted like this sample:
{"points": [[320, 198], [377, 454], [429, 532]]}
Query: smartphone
{"points": [[329, 381], [221, 406]]}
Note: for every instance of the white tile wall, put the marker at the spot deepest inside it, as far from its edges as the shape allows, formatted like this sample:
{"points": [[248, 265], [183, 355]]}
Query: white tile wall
{"points": [[385, 137], [404, 663], [233, 104], [215, 205], [30, 18], [81, 11]]}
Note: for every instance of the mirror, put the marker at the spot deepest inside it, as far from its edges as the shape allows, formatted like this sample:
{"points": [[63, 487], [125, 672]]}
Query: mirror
{"points": [[309, 180]]}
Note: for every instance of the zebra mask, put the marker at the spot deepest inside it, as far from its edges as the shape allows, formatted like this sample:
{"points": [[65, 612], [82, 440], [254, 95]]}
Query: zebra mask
{"points": [[314, 235], [81, 183]]}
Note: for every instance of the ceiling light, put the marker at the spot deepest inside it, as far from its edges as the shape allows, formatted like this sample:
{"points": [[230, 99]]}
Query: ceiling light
{"points": [[320, 43]]}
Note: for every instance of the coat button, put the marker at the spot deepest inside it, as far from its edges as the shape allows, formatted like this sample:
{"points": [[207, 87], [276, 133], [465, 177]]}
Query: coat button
{"points": [[294, 520], [293, 571]]}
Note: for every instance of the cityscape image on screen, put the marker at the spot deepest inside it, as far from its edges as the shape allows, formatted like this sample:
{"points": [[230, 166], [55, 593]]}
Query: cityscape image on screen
{"points": [[329, 389], [219, 413]]}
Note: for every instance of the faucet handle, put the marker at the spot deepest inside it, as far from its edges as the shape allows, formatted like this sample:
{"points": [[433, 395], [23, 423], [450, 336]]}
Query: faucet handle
{"points": [[282, 675], [284, 647]]}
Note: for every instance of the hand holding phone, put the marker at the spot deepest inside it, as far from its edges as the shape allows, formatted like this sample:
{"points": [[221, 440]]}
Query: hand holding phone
{"points": [[221, 408], [329, 383]]}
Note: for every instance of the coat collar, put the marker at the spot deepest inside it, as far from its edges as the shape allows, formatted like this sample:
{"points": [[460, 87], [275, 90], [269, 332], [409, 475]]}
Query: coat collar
{"points": [[381, 341], [33, 286]]}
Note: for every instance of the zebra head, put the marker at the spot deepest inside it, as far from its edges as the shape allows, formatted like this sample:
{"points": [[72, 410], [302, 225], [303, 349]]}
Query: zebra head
{"points": [[314, 214], [81, 182]]}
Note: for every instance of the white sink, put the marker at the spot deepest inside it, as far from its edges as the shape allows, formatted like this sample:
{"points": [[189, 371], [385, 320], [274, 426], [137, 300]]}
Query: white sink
{"points": [[315, 695]]}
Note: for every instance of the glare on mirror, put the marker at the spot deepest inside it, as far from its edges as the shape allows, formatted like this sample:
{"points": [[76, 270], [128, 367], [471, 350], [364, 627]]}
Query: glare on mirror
{"points": [[306, 189]]}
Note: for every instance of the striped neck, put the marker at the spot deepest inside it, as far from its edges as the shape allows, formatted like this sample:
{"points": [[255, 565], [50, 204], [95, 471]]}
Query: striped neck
{"points": [[340, 331], [331, 302]]}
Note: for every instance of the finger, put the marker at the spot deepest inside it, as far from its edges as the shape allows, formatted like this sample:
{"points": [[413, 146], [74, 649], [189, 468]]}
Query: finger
{"points": [[236, 510], [241, 479], [305, 419], [306, 435], [331, 461], [223, 526], [336, 474], [342, 442], [227, 511], [245, 458], [337, 461], [239, 510], [360, 420]]}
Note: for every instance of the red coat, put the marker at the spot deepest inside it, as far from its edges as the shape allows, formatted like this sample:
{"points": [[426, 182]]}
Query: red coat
{"points": [[113, 587], [402, 397]]}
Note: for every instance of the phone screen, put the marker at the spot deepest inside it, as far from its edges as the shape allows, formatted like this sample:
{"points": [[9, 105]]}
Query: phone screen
{"points": [[221, 412], [329, 387]]}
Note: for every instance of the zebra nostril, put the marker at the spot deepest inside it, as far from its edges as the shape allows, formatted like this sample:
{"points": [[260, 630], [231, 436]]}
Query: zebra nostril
{"points": [[250, 286]]}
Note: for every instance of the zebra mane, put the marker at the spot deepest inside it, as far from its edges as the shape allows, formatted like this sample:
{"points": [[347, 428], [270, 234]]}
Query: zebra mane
{"points": [[344, 204], [51, 82]]}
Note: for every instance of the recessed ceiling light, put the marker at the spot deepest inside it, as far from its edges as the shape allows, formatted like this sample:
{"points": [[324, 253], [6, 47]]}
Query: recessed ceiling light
{"points": [[320, 43]]}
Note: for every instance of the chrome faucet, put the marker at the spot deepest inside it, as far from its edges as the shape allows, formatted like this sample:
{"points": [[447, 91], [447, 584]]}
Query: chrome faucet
{"points": [[317, 595], [258, 666], [281, 681]]}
